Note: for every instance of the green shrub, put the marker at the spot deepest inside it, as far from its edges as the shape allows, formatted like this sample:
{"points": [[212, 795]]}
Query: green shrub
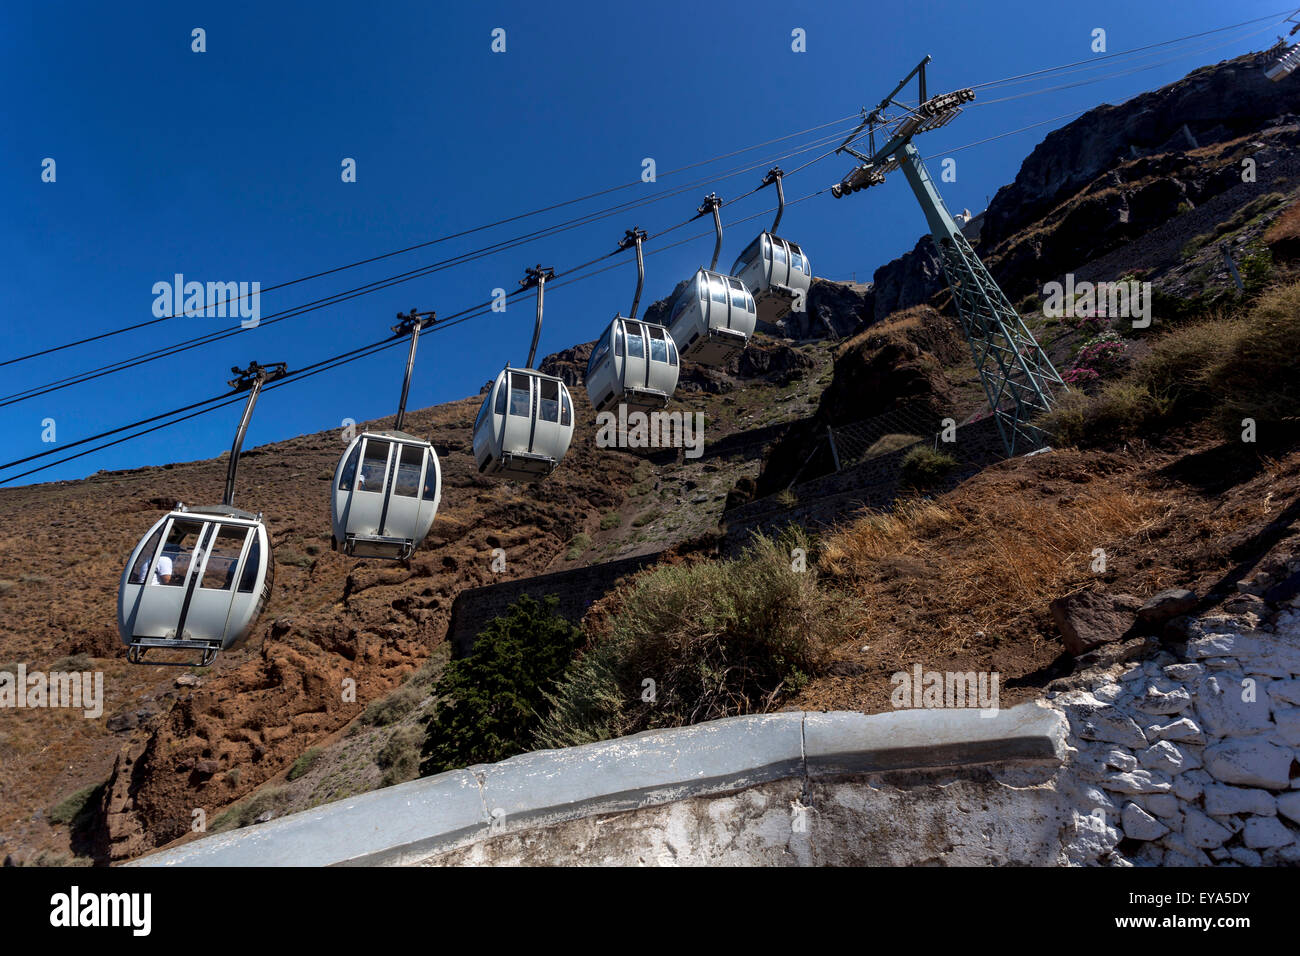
{"points": [[717, 638], [268, 799], [400, 756], [923, 466], [304, 763], [1120, 411], [611, 520], [1178, 361], [577, 546], [1256, 377], [1195, 245], [77, 662], [490, 701], [393, 707], [75, 808], [1067, 422], [1256, 268]]}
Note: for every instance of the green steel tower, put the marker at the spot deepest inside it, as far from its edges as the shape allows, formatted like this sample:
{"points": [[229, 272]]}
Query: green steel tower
{"points": [[1017, 375]]}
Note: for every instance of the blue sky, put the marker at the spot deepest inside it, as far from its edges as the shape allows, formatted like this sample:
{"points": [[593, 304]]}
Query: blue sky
{"points": [[225, 166]]}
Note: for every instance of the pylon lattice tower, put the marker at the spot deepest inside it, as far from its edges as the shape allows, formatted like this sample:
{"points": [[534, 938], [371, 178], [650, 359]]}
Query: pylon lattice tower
{"points": [[1016, 373]]}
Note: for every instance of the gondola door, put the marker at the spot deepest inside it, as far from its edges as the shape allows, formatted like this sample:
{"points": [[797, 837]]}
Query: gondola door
{"points": [[165, 580], [367, 512], [517, 429], [636, 361], [779, 273], [205, 616], [401, 515], [549, 423]]}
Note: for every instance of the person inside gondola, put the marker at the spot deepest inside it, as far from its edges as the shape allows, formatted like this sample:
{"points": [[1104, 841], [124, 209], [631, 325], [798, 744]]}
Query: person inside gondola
{"points": [[162, 570]]}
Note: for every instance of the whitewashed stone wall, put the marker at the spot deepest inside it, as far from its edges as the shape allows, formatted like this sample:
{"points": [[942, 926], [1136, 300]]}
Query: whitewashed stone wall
{"points": [[1189, 758]]}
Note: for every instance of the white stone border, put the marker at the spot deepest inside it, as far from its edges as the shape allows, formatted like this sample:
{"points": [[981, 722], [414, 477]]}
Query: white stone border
{"points": [[412, 820]]}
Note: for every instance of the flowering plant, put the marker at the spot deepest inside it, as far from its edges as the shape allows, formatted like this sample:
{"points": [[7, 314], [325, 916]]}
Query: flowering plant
{"points": [[1101, 355]]}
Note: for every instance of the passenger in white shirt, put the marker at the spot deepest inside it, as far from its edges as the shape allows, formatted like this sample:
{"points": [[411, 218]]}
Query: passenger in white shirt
{"points": [[162, 570]]}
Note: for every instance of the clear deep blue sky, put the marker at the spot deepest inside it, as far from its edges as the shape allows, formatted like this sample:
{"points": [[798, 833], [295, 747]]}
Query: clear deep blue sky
{"points": [[225, 165]]}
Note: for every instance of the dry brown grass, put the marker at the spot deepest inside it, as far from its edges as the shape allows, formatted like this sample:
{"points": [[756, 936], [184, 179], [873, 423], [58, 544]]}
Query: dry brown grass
{"points": [[896, 324], [946, 571], [892, 442], [1217, 372], [1286, 227]]}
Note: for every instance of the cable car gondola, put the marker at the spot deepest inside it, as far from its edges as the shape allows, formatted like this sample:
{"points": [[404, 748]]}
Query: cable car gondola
{"points": [[388, 484], [200, 577], [714, 316], [775, 270], [635, 362], [525, 423]]}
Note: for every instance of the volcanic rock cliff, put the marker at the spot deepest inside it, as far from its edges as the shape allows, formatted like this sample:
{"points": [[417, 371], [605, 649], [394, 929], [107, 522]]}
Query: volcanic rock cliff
{"points": [[1114, 174]]}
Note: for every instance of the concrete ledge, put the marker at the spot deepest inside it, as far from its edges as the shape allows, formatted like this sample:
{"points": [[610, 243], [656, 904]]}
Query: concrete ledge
{"points": [[657, 766], [848, 742], [419, 815], [417, 819]]}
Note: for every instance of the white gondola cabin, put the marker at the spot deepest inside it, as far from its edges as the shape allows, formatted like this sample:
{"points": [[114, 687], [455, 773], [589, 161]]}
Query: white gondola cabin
{"points": [[712, 318], [197, 581], [777, 272], [387, 487], [199, 578], [633, 364], [524, 425]]}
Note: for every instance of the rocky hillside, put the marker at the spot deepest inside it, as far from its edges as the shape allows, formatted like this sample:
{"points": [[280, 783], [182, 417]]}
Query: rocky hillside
{"points": [[1119, 173], [1151, 189]]}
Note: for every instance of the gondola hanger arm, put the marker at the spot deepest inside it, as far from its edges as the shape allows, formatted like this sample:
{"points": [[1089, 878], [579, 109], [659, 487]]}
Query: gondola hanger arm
{"points": [[712, 203], [406, 321], [775, 175], [634, 237], [256, 374], [412, 324], [537, 276]]}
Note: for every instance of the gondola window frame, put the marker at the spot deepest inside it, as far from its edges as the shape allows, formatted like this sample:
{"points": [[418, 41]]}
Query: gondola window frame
{"points": [[403, 469], [252, 563], [634, 335], [429, 483], [233, 570], [193, 553], [657, 338], [543, 401], [145, 562], [380, 486], [348, 476]]}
